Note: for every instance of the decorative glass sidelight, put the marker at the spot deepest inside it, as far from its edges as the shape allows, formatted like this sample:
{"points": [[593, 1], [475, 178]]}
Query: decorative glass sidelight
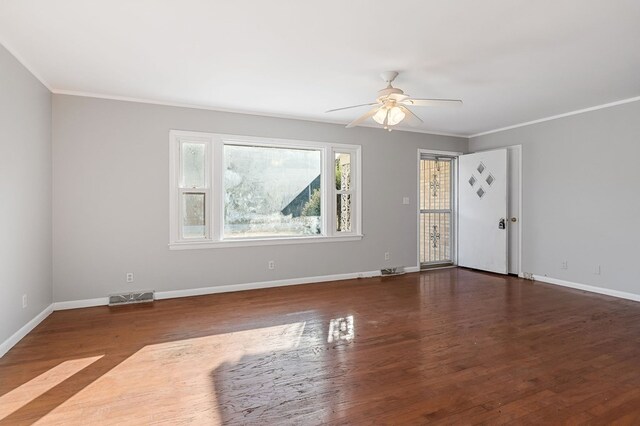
{"points": [[436, 208]]}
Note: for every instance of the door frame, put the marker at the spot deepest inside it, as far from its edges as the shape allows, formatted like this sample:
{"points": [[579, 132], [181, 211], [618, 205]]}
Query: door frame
{"points": [[454, 200], [518, 150]]}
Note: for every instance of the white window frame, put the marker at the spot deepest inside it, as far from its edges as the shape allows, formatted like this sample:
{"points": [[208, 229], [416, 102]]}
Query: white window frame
{"points": [[354, 154], [214, 193], [181, 189]]}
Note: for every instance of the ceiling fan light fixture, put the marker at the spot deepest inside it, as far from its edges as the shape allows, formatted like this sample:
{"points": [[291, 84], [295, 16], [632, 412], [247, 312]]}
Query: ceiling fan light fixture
{"points": [[380, 115], [390, 107], [392, 115], [395, 116]]}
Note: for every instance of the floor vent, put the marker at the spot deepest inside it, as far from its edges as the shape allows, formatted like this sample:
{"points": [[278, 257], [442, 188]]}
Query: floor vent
{"points": [[131, 298], [392, 272]]}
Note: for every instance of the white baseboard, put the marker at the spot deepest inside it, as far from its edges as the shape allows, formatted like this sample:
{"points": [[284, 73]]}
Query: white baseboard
{"points": [[18, 335], [262, 284], [411, 269], [590, 288], [170, 294], [86, 303], [102, 301]]}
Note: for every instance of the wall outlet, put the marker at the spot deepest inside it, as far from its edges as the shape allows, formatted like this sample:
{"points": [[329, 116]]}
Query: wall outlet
{"points": [[405, 200], [24, 301], [272, 265], [564, 265], [387, 256], [129, 277]]}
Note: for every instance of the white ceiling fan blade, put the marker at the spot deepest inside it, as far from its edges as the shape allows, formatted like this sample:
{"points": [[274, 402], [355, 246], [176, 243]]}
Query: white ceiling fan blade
{"points": [[353, 106], [410, 117], [433, 102], [362, 118]]}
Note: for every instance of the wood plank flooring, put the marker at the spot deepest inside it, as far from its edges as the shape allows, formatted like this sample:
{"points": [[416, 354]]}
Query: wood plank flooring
{"points": [[451, 346]]}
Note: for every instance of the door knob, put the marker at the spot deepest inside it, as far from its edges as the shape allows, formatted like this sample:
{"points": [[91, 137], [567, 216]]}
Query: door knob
{"points": [[513, 219]]}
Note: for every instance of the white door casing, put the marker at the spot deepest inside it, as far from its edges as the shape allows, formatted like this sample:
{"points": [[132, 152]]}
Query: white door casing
{"points": [[483, 204], [514, 164]]}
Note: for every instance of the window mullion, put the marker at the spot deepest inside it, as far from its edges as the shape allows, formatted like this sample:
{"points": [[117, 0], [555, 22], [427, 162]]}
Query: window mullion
{"points": [[330, 198], [216, 168]]}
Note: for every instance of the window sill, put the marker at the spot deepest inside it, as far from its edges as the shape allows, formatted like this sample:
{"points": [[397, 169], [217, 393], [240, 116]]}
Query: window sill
{"points": [[190, 245]]}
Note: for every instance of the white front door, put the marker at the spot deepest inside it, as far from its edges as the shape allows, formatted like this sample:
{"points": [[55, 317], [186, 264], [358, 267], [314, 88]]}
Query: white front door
{"points": [[482, 211]]}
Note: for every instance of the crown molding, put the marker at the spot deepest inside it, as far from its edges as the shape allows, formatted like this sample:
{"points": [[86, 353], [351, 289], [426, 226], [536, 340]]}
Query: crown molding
{"points": [[234, 111], [555, 117]]}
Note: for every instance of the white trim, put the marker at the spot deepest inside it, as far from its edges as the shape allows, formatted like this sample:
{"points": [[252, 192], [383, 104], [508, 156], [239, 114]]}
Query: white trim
{"points": [[316, 120], [86, 303], [436, 152], [235, 111], [26, 65], [589, 288], [188, 245], [24, 330], [213, 188], [519, 208], [555, 117], [170, 294], [355, 191], [263, 284], [412, 269], [454, 216]]}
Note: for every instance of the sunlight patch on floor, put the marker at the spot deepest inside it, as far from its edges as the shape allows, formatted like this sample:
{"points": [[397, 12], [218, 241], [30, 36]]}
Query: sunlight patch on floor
{"points": [[27, 392], [341, 329], [181, 386]]}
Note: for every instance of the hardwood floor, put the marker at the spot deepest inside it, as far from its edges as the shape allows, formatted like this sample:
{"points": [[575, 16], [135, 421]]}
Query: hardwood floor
{"points": [[451, 346]]}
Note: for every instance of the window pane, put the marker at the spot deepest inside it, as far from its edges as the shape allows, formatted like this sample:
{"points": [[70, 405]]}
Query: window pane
{"points": [[435, 237], [271, 192], [192, 156], [435, 184], [193, 223], [343, 210], [343, 172]]}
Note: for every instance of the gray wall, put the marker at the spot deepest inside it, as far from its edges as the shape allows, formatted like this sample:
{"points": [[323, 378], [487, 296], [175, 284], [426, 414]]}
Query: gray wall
{"points": [[580, 195], [111, 204], [25, 195]]}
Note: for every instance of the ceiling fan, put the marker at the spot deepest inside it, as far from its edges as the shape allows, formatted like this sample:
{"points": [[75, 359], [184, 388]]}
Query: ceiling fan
{"points": [[391, 105]]}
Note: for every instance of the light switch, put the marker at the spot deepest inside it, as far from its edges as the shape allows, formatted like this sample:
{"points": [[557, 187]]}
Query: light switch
{"points": [[405, 200]]}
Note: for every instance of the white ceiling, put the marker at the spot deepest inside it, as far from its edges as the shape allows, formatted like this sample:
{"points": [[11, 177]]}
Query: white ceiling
{"points": [[510, 61]]}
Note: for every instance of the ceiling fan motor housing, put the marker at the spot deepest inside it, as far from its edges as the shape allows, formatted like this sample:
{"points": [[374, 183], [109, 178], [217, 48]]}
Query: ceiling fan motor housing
{"points": [[390, 94]]}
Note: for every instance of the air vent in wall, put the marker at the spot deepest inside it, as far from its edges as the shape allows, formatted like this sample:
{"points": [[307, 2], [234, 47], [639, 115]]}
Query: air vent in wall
{"points": [[131, 298], [392, 272]]}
